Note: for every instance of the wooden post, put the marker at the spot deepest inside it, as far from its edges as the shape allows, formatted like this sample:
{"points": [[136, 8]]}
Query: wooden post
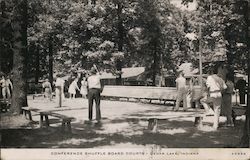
{"points": [[60, 96], [200, 67], [200, 57], [30, 116]]}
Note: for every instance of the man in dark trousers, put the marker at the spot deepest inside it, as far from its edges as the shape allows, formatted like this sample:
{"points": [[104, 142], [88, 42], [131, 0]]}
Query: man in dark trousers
{"points": [[241, 85], [94, 92]]}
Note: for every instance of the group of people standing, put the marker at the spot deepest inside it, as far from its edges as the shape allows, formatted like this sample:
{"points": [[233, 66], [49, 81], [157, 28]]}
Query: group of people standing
{"points": [[91, 88], [73, 87], [215, 96]]}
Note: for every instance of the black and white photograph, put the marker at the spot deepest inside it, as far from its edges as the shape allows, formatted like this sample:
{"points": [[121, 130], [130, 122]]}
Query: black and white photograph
{"points": [[139, 76]]}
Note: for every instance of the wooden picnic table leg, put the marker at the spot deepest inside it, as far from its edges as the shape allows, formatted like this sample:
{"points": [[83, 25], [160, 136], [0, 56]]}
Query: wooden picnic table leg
{"points": [[25, 113], [41, 120], [198, 121], [152, 124], [233, 117], [63, 126], [69, 126], [47, 120], [30, 116]]}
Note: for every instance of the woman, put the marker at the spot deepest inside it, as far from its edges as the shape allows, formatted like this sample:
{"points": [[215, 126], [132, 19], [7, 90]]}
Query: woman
{"points": [[47, 89], [226, 109], [83, 90], [72, 88]]}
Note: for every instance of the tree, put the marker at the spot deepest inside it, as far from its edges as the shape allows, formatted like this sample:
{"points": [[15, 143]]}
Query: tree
{"points": [[16, 20], [5, 41]]}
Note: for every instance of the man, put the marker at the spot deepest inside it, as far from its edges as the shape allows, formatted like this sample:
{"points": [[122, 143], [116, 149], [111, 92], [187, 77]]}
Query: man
{"points": [[241, 86], [7, 87], [215, 85], [59, 89], [181, 92], [94, 92]]}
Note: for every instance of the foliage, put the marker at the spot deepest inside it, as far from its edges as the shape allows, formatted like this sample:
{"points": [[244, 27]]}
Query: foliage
{"points": [[85, 33], [223, 29], [130, 33]]}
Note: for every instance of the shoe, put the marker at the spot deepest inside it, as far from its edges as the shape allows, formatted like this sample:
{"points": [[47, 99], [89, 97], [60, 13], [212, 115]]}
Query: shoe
{"points": [[229, 125], [88, 122], [98, 124]]}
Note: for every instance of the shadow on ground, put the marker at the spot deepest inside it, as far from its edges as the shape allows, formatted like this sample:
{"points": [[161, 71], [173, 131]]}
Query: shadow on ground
{"points": [[122, 132]]}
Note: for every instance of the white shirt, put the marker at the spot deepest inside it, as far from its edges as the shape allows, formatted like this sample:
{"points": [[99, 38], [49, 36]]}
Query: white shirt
{"points": [[6, 83], [94, 81], [60, 82], [215, 85], [181, 82]]}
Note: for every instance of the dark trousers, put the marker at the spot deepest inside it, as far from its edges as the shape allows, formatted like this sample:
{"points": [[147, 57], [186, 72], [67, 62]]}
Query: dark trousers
{"points": [[94, 94], [242, 98]]}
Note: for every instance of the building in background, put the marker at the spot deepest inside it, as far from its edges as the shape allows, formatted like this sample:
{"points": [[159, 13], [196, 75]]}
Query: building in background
{"points": [[130, 76]]}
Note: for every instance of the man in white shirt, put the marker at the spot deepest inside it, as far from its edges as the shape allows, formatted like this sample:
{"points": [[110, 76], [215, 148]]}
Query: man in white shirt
{"points": [[215, 85], [94, 92], [59, 89], [181, 92]]}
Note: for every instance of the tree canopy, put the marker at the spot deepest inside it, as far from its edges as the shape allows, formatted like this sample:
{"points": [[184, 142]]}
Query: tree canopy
{"points": [[64, 36]]}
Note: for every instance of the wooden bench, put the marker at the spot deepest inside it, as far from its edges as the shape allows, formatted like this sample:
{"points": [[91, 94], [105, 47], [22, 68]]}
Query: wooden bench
{"points": [[153, 122], [66, 121], [27, 111]]}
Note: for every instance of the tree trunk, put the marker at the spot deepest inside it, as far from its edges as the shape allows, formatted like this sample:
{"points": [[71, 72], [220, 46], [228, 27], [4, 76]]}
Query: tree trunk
{"points": [[37, 72], [51, 60], [19, 97], [2, 48], [245, 139], [120, 43], [154, 65]]}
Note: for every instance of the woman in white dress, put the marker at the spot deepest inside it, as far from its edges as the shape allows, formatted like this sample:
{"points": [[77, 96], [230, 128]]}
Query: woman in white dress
{"points": [[73, 87], [84, 84]]}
